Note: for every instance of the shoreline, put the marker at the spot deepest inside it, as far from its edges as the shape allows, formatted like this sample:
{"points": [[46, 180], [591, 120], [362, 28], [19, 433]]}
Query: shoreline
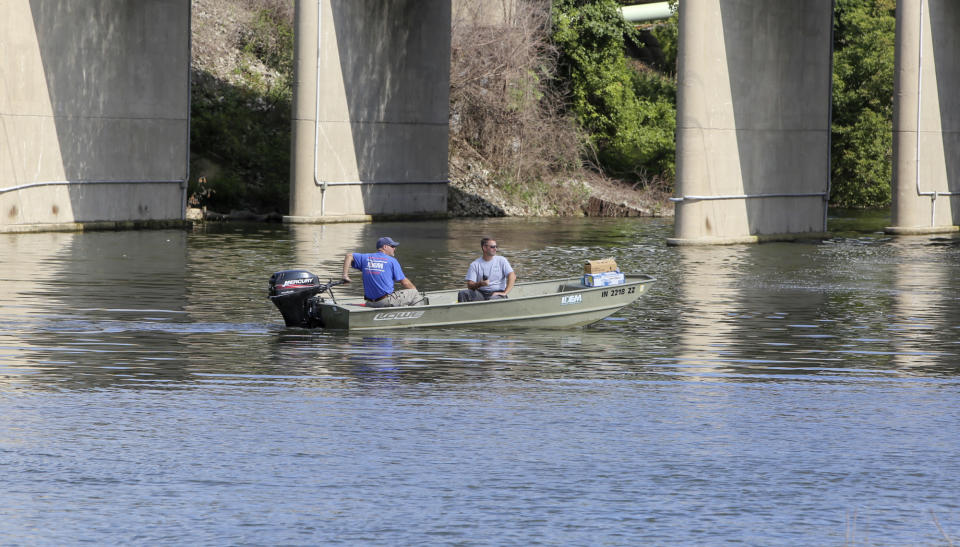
{"points": [[473, 198]]}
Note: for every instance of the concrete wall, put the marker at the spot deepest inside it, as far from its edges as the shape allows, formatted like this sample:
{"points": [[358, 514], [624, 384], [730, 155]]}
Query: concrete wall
{"points": [[753, 118], [372, 129], [926, 126], [94, 110]]}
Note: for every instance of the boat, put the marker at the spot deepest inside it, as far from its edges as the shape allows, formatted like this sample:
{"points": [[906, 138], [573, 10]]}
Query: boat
{"points": [[305, 302]]}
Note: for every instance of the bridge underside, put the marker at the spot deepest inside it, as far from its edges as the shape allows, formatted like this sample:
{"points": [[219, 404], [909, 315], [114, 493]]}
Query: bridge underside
{"points": [[94, 114]]}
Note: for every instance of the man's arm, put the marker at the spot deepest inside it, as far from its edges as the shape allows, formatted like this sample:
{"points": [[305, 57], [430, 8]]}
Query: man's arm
{"points": [[407, 284], [347, 261], [472, 282], [475, 285], [511, 279]]}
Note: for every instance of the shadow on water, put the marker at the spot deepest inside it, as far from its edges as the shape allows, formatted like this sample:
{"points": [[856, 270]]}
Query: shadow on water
{"points": [[96, 306], [857, 222]]}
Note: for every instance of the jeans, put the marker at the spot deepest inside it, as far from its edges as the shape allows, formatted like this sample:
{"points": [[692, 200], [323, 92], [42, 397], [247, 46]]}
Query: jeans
{"points": [[472, 295]]}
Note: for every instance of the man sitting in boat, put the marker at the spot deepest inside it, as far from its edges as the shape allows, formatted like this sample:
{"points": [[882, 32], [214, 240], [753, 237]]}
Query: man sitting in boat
{"points": [[488, 277], [380, 271]]}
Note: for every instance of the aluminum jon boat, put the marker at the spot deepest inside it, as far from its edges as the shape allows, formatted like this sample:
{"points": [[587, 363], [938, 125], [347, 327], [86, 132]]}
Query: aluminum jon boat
{"points": [[305, 302]]}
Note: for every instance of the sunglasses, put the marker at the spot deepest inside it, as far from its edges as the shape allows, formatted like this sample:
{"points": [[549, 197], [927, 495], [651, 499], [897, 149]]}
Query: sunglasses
{"points": [[491, 246]]}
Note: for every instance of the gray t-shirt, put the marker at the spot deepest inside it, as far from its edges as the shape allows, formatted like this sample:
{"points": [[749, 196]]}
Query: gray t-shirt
{"points": [[496, 269]]}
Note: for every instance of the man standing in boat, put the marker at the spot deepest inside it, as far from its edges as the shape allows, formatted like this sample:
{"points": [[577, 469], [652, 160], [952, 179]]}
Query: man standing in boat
{"points": [[380, 271], [488, 277]]}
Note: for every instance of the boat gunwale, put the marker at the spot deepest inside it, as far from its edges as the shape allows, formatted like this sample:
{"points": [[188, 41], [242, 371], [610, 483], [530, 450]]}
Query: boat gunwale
{"points": [[355, 308]]}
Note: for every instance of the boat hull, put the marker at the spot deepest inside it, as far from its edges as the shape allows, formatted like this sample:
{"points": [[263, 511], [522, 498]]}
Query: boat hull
{"points": [[558, 303]]}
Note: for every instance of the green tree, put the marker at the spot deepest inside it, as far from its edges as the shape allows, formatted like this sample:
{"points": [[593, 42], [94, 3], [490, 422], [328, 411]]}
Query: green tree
{"points": [[631, 133], [863, 70], [668, 34]]}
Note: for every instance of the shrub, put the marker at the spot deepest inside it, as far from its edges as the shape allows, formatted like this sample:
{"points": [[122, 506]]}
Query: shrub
{"points": [[505, 109], [631, 125]]}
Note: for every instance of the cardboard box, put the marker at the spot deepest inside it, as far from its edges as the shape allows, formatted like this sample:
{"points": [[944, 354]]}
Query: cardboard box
{"points": [[603, 279], [600, 266]]}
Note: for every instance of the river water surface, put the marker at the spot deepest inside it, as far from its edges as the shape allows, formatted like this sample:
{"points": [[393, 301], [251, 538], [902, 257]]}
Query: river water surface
{"points": [[784, 393]]}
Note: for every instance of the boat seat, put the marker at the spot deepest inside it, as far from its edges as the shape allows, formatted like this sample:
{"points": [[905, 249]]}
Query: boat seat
{"points": [[567, 287], [440, 298]]}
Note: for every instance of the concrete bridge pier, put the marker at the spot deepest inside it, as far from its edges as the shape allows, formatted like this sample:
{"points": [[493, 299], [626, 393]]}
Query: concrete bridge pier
{"points": [[371, 102], [926, 121], [94, 113], [753, 120]]}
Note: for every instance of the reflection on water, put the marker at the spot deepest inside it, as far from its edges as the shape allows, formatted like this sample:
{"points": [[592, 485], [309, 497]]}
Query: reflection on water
{"points": [[784, 393], [922, 309]]}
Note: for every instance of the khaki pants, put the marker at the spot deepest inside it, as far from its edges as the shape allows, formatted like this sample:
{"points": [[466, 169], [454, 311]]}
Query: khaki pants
{"points": [[405, 297]]}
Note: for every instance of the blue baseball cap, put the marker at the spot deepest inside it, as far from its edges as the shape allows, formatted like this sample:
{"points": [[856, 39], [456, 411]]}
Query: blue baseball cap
{"points": [[384, 241]]}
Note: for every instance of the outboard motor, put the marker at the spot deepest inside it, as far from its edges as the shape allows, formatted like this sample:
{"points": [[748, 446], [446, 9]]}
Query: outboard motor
{"points": [[290, 290]]}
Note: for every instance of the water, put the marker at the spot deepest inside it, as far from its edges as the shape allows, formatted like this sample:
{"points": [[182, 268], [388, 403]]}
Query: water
{"points": [[776, 394]]}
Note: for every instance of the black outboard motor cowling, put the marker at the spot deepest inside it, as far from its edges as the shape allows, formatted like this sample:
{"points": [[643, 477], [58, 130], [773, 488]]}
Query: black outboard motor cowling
{"points": [[289, 291]]}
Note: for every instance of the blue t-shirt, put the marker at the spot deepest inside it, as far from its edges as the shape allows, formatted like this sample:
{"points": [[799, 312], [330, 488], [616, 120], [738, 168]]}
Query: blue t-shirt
{"points": [[380, 272], [496, 269]]}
